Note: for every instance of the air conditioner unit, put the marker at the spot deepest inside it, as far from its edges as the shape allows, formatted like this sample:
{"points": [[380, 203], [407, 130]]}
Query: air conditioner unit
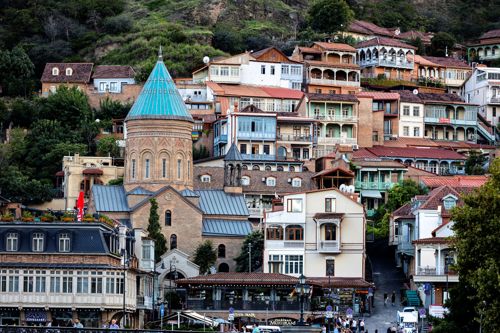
{"points": [[289, 180], [264, 179], [355, 147]]}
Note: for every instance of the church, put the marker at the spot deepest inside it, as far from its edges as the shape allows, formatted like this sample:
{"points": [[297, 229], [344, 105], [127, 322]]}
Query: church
{"points": [[159, 165]]}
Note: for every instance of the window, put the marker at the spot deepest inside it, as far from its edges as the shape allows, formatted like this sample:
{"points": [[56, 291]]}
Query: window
{"points": [[296, 85], [173, 242], [494, 110], [179, 168], [189, 169], [449, 202], [294, 205], [266, 149], [221, 251], [64, 242], [279, 168], [274, 233], [317, 91], [113, 86], [271, 181], [214, 70], [37, 242], [28, 282], [330, 267], [406, 110], [416, 111], [147, 252], [55, 283], [285, 70], [263, 69], [245, 180], [294, 232], [168, 218], [102, 86], [55, 71], [296, 70], [13, 285], [164, 168], [296, 182], [40, 282], [133, 169], [330, 232], [273, 70], [329, 205], [375, 136], [243, 148], [224, 71], [96, 283], [12, 241], [305, 153], [146, 168], [206, 178], [296, 153], [294, 264], [69, 72], [82, 282], [406, 131], [416, 131], [235, 71], [331, 92]]}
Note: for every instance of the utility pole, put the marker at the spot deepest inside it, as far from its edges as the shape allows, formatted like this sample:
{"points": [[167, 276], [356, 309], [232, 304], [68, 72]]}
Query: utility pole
{"points": [[249, 257]]}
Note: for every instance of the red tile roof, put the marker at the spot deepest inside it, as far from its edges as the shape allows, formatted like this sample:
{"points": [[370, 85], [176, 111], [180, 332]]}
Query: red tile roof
{"points": [[363, 153], [454, 181], [432, 240], [81, 73], [378, 163], [379, 95], [336, 46], [425, 62], [435, 197], [448, 62], [491, 34], [368, 28], [427, 153], [382, 41], [111, 72], [234, 278], [309, 50], [283, 92], [403, 211], [344, 172]]}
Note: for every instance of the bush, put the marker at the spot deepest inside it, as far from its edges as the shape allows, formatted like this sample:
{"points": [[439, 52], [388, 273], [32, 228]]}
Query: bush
{"points": [[118, 24]]}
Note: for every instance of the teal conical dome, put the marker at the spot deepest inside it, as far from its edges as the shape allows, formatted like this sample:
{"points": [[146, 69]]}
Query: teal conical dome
{"points": [[159, 98]]}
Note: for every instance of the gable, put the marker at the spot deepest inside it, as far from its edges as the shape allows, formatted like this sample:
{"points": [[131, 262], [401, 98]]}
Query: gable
{"points": [[271, 55]]}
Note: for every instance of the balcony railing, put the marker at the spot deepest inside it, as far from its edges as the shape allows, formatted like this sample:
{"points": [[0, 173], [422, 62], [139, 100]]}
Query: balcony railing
{"points": [[387, 63], [445, 121], [244, 135], [360, 185], [238, 306], [262, 157], [494, 100], [220, 139], [329, 246], [295, 138], [334, 82], [287, 244], [258, 212], [339, 118], [334, 141]]}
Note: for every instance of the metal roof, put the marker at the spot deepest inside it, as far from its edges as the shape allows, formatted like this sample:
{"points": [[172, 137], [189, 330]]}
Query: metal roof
{"points": [[371, 194], [140, 191], [110, 198], [159, 98], [218, 202], [233, 154], [218, 227], [189, 193]]}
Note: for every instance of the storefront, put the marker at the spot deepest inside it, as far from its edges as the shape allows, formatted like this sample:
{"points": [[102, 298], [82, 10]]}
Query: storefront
{"points": [[35, 316], [62, 317], [90, 317], [9, 316]]}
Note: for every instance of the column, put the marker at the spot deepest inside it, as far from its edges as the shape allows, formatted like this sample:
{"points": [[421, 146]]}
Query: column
{"points": [[438, 261]]}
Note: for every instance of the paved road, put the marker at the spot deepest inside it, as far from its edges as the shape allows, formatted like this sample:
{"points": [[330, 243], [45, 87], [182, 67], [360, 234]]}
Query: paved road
{"points": [[387, 278]]}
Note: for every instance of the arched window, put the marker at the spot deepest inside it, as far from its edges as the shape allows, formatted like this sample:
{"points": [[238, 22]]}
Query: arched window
{"points": [[69, 72], [274, 232], [179, 168], [173, 242], [147, 168], [168, 218], [330, 232], [55, 71], [224, 267], [221, 251], [133, 169], [279, 168], [268, 168], [294, 232], [256, 168], [244, 167], [164, 168]]}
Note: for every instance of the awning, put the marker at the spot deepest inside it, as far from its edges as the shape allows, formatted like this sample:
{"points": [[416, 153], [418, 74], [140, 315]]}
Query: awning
{"points": [[36, 315], [92, 171], [371, 194], [194, 316]]}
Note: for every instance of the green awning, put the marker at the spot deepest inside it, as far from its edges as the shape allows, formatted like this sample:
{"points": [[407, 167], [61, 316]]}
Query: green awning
{"points": [[371, 194]]}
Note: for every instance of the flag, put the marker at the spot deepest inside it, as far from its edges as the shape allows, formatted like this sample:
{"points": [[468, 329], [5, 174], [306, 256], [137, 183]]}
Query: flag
{"points": [[79, 207]]}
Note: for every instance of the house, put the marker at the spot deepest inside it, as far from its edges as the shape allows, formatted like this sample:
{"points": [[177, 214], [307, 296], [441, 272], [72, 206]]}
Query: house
{"points": [[386, 57], [363, 30], [379, 113], [68, 74], [319, 234], [336, 118], [60, 271], [330, 68], [487, 47], [456, 72], [411, 115], [111, 79], [483, 88]]}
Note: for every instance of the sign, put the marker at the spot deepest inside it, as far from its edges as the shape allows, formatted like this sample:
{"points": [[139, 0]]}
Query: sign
{"points": [[230, 317], [329, 313], [282, 322], [348, 313], [231, 310], [444, 120], [162, 310], [422, 312]]}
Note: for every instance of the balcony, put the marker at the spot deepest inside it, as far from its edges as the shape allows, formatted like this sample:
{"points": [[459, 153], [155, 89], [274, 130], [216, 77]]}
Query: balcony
{"points": [[221, 139], [247, 135], [286, 244], [262, 157], [387, 63], [337, 118], [307, 139], [494, 100], [258, 212], [329, 246], [335, 141], [328, 82], [432, 274], [446, 121], [366, 185]]}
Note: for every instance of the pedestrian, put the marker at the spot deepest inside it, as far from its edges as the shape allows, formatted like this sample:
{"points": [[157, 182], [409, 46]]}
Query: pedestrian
{"points": [[323, 329], [386, 299], [77, 324], [354, 325], [113, 324], [256, 328], [361, 325], [393, 298]]}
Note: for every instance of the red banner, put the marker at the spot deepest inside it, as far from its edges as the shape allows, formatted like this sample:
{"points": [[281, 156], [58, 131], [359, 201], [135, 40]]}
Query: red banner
{"points": [[79, 206]]}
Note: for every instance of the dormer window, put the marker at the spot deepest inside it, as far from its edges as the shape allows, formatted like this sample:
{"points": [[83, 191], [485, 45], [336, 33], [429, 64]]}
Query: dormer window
{"points": [[69, 72], [12, 242], [296, 182], [64, 242], [271, 181], [245, 180], [205, 178], [449, 202], [55, 71]]}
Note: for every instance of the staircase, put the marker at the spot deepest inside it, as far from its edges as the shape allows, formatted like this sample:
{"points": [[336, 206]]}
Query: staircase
{"points": [[485, 129], [412, 298]]}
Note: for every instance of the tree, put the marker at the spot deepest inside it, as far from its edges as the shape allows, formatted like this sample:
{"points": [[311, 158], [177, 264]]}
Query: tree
{"points": [[17, 71], [154, 230], [477, 231], [329, 16], [256, 239], [474, 165], [205, 256], [442, 44], [417, 42], [108, 147]]}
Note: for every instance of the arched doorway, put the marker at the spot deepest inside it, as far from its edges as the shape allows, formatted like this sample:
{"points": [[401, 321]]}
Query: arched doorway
{"points": [[224, 267]]}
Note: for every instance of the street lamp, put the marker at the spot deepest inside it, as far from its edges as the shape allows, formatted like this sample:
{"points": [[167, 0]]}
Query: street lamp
{"points": [[170, 275], [125, 265], [303, 290], [448, 260]]}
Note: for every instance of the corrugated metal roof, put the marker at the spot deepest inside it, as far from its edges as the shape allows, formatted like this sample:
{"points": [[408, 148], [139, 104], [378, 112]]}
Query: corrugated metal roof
{"points": [[217, 202], [159, 98], [218, 227], [140, 191], [189, 193], [110, 198]]}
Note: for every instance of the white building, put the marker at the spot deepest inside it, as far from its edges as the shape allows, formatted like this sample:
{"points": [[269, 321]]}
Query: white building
{"points": [[483, 88], [111, 79], [319, 233], [411, 117]]}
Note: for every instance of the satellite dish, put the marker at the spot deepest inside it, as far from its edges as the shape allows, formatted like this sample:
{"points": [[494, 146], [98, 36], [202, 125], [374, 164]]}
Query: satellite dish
{"points": [[350, 188], [343, 188], [206, 59], [415, 91]]}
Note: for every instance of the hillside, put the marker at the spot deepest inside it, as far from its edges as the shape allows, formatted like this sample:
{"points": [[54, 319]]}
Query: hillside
{"points": [[130, 31]]}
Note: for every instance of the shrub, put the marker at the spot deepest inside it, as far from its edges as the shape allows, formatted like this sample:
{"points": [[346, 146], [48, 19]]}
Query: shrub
{"points": [[118, 24]]}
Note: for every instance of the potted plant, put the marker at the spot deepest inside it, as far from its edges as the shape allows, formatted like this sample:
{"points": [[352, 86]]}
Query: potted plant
{"points": [[27, 217], [105, 219], [68, 217], [47, 217], [8, 217], [88, 218]]}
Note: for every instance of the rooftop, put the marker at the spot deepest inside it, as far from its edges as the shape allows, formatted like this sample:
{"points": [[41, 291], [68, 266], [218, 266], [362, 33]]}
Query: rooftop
{"points": [[254, 91], [425, 153], [454, 181], [81, 73], [448, 62], [379, 95], [491, 34], [110, 72], [332, 97], [335, 46], [368, 28], [383, 41]]}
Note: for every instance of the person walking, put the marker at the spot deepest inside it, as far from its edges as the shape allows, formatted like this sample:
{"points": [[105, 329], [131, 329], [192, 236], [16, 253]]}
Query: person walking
{"points": [[362, 325], [256, 328], [386, 299], [393, 298]]}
